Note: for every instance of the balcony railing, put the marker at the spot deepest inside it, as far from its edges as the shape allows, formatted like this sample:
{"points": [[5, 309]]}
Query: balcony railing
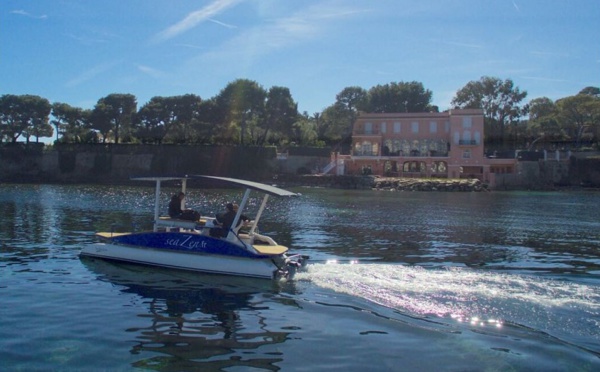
{"points": [[365, 153], [467, 142], [413, 154], [362, 132]]}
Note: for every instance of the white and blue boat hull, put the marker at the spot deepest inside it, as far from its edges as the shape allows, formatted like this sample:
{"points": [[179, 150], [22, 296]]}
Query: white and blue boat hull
{"points": [[190, 245], [260, 267]]}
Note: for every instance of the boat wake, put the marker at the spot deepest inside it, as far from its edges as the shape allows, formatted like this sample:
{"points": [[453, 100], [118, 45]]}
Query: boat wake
{"points": [[481, 298]]}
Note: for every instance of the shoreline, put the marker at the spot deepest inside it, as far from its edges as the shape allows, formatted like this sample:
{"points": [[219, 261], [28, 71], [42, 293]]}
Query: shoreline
{"points": [[404, 184], [341, 182]]}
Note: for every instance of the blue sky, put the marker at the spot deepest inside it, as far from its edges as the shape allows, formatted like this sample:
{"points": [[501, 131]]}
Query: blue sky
{"points": [[79, 51]]}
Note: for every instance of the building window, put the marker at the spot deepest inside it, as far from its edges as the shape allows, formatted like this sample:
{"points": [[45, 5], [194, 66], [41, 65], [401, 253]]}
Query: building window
{"points": [[414, 167], [397, 127], [467, 121], [387, 148], [466, 137], [390, 168], [439, 167], [405, 148], [415, 126], [368, 128], [447, 126], [383, 127], [467, 154], [367, 148], [432, 127]]}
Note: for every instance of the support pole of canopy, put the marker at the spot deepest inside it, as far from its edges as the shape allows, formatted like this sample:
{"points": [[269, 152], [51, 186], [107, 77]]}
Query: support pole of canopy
{"points": [[156, 204], [260, 211], [240, 209], [183, 190]]}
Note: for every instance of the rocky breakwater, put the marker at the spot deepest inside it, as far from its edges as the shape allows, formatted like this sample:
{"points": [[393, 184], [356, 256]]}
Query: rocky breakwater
{"points": [[379, 183], [428, 184]]}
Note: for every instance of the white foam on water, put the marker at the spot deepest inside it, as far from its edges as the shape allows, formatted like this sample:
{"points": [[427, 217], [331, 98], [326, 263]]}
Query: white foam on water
{"points": [[466, 295]]}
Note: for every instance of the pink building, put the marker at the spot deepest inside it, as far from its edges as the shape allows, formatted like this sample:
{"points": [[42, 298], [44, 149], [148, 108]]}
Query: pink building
{"points": [[443, 145]]}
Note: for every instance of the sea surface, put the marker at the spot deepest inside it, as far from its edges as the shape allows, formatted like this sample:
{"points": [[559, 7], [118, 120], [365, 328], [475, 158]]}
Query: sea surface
{"points": [[398, 281]]}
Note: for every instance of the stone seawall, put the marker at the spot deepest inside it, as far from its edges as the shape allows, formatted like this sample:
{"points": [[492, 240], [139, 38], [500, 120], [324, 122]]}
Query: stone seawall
{"points": [[115, 164]]}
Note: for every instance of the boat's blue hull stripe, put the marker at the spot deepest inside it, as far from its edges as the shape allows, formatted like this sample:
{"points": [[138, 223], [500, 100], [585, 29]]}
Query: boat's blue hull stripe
{"points": [[177, 241]]}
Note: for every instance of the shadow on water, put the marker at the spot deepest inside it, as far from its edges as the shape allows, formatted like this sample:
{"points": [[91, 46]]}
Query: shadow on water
{"points": [[196, 321]]}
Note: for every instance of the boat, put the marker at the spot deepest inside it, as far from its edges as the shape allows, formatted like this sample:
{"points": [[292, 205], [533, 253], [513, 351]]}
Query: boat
{"points": [[188, 245]]}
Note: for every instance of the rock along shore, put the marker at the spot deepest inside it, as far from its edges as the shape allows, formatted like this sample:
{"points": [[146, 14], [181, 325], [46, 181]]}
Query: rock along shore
{"points": [[428, 184], [382, 183]]}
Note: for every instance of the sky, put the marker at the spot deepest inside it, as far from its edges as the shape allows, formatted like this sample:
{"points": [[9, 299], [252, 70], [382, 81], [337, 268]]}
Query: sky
{"points": [[78, 51]]}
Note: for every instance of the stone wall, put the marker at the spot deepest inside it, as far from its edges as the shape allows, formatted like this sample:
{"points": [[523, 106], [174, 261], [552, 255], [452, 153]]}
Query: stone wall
{"points": [[117, 163], [585, 171], [544, 175], [296, 164]]}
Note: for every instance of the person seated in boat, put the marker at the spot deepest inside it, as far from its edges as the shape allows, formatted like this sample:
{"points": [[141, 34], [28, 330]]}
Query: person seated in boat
{"points": [[225, 220], [243, 218], [175, 210]]}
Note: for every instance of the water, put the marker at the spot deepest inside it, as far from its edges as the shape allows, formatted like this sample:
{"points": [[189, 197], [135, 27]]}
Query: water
{"points": [[398, 281]]}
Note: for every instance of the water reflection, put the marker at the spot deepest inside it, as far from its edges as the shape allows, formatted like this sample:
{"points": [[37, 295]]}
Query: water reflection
{"points": [[529, 231], [199, 322], [532, 284]]}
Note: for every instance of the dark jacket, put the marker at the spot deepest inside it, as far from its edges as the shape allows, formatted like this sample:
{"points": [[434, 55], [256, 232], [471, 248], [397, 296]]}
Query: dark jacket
{"points": [[175, 207], [226, 219]]}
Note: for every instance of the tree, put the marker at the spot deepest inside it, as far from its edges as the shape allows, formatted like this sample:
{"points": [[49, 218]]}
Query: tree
{"points": [[204, 125], [114, 113], [543, 123], [591, 91], [334, 125], [151, 122], [70, 122], [580, 114], [241, 106], [352, 99], [500, 101], [39, 125], [400, 97], [281, 114], [184, 110], [304, 131], [100, 120], [24, 115]]}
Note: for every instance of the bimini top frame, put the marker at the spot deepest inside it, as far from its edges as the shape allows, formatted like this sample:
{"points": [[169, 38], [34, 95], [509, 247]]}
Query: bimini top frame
{"points": [[249, 185]]}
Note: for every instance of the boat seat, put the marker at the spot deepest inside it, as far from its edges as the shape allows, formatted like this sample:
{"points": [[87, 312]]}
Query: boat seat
{"points": [[110, 234], [270, 249], [175, 222], [201, 221]]}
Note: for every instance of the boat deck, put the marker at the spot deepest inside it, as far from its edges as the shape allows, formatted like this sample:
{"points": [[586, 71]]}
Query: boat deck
{"points": [[270, 249], [108, 235], [260, 248]]}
